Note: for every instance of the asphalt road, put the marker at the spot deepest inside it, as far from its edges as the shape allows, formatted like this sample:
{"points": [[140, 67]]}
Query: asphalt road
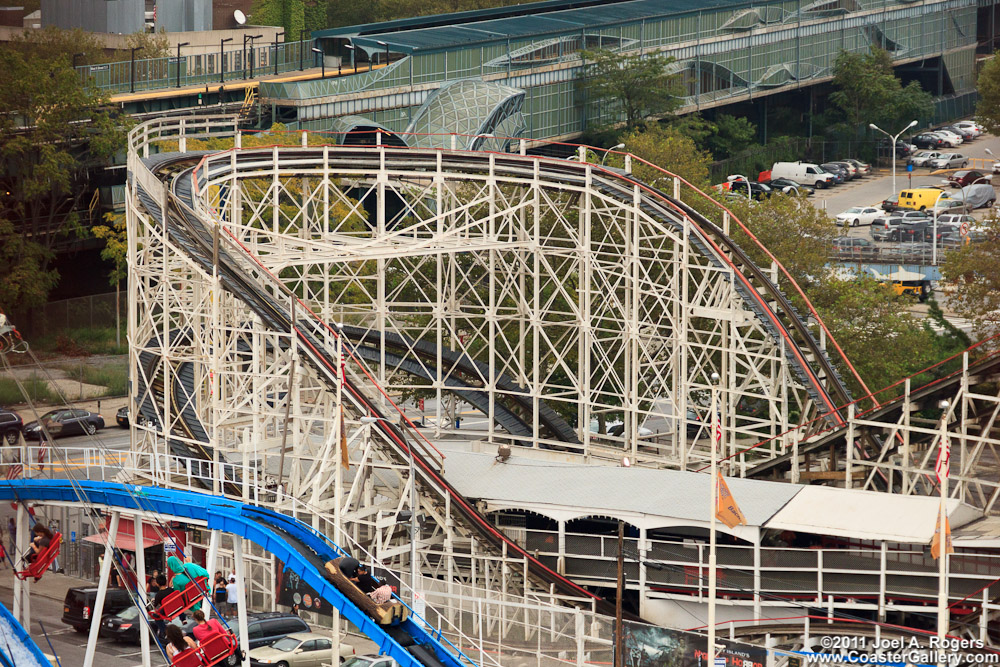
{"points": [[872, 190], [70, 645]]}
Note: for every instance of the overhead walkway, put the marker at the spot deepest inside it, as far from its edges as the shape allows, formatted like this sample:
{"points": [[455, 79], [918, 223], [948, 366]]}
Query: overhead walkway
{"points": [[303, 550]]}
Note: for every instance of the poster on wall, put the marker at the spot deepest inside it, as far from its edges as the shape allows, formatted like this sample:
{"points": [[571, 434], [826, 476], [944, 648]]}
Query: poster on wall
{"points": [[292, 592], [651, 646]]}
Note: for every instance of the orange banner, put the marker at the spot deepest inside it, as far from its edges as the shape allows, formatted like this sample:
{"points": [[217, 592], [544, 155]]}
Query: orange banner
{"points": [[345, 459], [936, 540], [726, 509]]}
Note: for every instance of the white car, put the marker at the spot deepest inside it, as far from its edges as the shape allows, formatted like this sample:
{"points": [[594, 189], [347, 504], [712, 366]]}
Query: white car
{"points": [[953, 140], [949, 161], [970, 125], [858, 215], [301, 649], [920, 158]]}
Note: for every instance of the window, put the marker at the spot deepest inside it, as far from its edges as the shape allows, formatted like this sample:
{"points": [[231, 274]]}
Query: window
{"points": [[285, 626], [309, 645], [6, 417], [323, 645], [255, 631], [810, 170]]}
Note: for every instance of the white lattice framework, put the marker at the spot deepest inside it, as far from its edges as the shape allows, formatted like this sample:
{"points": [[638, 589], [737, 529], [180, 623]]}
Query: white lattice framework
{"points": [[572, 286]]}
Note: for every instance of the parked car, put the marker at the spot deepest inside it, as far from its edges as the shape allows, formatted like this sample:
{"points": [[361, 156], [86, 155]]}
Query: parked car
{"points": [[371, 661], [854, 246], [882, 228], [920, 158], [857, 215], [10, 425], [302, 649], [970, 125], [757, 190], [942, 231], [122, 417], [840, 173], [949, 161], [265, 628], [78, 605], [788, 186], [964, 132], [803, 172], [928, 140], [864, 169], [955, 239], [124, 625], [948, 140], [61, 423], [903, 149], [978, 195], [918, 199], [955, 219], [955, 138], [965, 177], [852, 171], [910, 231], [891, 204], [912, 215]]}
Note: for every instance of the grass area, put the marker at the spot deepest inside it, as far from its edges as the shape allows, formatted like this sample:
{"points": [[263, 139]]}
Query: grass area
{"points": [[82, 342], [36, 387], [113, 375]]}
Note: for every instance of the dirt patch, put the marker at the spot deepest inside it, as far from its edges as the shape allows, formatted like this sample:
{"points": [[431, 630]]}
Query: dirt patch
{"points": [[75, 391]]}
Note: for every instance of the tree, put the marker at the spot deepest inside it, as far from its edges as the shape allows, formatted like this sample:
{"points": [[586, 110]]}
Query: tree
{"points": [[731, 136], [869, 92], [641, 85], [116, 251], [53, 128], [289, 14], [988, 107], [669, 149], [973, 272]]}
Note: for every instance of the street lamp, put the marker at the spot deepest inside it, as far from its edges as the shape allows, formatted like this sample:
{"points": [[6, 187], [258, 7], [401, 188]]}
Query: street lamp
{"points": [[322, 61], [350, 47], [131, 77], [715, 423], [276, 36], [381, 43], [77, 55], [251, 38], [737, 177], [179, 45], [892, 158], [615, 147], [942, 470], [222, 59], [934, 232], [302, 50]]}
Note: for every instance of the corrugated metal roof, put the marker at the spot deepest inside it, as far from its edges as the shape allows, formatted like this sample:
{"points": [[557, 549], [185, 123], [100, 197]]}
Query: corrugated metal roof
{"points": [[546, 19], [666, 497]]}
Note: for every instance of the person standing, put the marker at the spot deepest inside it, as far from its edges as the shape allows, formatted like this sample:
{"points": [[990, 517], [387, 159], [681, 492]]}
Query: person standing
{"points": [[232, 596], [159, 590]]}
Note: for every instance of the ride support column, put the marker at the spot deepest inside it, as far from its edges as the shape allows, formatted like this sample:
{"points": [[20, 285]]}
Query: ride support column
{"points": [[140, 587], [241, 584], [213, 557], [102, 590], [22, 604]]}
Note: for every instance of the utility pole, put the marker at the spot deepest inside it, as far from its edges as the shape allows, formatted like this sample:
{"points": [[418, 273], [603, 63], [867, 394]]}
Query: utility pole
{"points": [[619, 643]]}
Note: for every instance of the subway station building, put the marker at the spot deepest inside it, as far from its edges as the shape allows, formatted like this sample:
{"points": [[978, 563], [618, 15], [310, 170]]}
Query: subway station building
{"points": [[514, 71]]}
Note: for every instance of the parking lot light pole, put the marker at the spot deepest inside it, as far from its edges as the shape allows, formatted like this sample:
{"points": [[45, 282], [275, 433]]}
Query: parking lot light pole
{"points": [[322, 61], [179, 45], [892, 158], [934, 230], [222, 59]]}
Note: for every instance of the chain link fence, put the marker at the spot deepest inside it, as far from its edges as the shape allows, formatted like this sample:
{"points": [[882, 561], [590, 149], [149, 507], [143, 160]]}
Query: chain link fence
{"points": [[97, 311]]}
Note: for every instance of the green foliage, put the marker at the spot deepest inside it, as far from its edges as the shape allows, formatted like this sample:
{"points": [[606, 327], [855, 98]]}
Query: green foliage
{"points": [[36, 388], [83, 341], [867, 91], [669, 149], [115, 245], [112, 375], [289, 14], [731, 136], [315, 16], [355, 13], [153, 45], [988, 107], [974, 273], [640, 84], [44, 142]]}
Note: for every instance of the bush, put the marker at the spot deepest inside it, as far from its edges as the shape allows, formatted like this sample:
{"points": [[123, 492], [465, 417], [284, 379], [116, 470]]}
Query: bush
{"points": [[36, 387], [113, 375], [83, 342]]}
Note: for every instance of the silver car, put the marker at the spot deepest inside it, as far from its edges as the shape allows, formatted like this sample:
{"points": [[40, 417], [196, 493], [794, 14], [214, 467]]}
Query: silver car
{"points": [[920, 158], [948, 161]]}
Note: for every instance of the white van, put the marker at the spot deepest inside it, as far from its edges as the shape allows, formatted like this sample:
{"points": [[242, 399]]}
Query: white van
{"points": [[803, 172]]}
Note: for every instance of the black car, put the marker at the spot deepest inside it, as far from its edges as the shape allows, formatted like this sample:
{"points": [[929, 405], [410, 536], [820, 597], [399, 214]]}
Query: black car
{"points": [[78, 606], [124, 625], [910, 231], [788, 186], [10, 425], [265, 628], [928, 141], [854, 246], [840, 173], [61, 423], [891, 204], [757, 190]]}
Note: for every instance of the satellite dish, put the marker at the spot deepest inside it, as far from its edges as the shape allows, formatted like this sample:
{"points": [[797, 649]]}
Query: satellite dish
{"points": [[240, 17]]}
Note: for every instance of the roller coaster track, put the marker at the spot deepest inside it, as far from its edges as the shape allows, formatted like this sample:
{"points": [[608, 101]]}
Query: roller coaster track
{"points": [[189, 232]]}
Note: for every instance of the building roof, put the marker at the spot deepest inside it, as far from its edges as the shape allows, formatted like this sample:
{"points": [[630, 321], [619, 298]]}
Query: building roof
{"points": [[433, 33], [649, 498]]}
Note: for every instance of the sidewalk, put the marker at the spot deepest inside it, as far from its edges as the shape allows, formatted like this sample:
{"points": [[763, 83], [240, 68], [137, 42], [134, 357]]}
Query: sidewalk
{"points": [[52, 586]]}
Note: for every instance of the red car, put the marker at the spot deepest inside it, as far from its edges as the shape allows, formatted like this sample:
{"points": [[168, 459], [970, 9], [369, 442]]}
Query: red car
{"points": [[965, 177]]}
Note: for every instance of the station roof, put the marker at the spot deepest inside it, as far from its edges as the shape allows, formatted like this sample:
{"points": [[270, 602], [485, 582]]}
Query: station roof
{"points": [[651, 498], [451, 31]]}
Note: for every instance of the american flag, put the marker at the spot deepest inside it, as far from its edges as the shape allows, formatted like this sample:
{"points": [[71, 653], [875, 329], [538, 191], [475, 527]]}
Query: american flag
{"points": [[942, 468], [14, 470], [718, 427]]}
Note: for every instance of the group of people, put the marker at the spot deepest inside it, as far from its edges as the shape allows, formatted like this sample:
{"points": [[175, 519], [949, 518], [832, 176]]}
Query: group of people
{"points": [[184, 573], [226, 594]]}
